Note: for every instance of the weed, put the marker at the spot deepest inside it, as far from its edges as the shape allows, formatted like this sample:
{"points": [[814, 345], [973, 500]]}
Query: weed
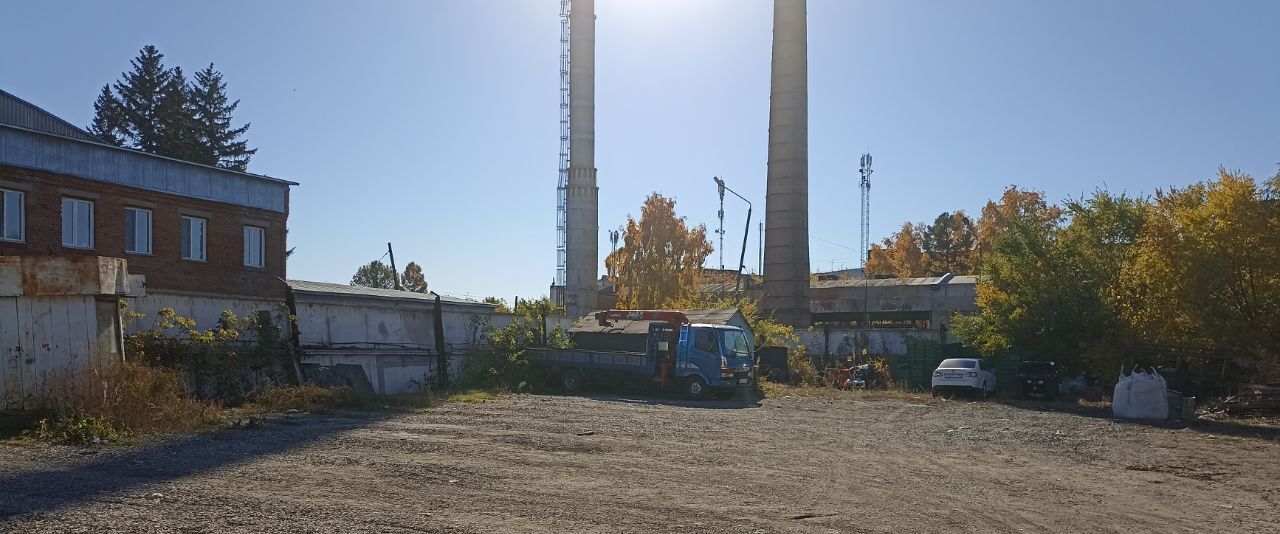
{"points": [[128, 397], [803, 373], [773, 390], [307, 397], [73, 430], [431, 399]]}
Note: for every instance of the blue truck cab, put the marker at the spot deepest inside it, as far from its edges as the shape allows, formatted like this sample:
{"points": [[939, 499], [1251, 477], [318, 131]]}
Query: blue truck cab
{"points": [[713, 356], [694, 359]]}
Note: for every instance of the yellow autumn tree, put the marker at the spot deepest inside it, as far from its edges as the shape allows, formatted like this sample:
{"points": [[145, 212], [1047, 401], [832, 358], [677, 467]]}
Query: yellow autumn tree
{"points": [[1016, 207], [1205, 272], [661, 258], [900, 256], [878, 262]]}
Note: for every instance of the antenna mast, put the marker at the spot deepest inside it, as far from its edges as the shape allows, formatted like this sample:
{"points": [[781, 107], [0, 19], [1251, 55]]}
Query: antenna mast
{"points": [[865, 186], [562, 189]]}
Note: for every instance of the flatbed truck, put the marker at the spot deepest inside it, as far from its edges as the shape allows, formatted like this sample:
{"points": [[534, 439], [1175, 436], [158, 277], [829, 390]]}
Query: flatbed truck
{"points": [[694, 359]]}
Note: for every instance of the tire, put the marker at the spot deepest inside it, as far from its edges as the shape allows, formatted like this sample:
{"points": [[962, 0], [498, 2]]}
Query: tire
{"points": [[982, 392], [571, 379], [695, 388]]}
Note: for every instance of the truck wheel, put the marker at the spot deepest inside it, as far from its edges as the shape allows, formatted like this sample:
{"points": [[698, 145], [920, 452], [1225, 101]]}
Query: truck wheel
{"points": [[571, 379], [695, 388]]}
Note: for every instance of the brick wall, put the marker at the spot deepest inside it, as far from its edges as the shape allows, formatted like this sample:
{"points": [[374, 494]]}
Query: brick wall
{"points": [[222, 273]]}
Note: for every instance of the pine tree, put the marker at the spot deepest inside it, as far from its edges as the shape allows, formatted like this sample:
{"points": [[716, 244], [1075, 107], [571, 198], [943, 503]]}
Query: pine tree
{"points": [[176, 122], [108, 119], [212, 114], [154, 109], [140, 93]]}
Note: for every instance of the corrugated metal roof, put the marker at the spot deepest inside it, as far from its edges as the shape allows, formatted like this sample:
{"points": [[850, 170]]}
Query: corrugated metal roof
{"points": [[30, 149], [710, 316], [15, 111], [325, 288], [884, 282]]}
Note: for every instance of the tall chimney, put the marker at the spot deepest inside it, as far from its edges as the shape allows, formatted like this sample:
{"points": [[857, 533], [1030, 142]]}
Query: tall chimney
{"points": [[582, 221], [786, 245]]}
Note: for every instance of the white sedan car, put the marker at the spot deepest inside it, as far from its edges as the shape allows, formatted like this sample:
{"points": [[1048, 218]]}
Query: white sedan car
{"points": [[969, 374]]}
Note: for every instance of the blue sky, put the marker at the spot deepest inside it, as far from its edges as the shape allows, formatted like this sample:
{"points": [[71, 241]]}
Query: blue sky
{"points": [[434, 124]]}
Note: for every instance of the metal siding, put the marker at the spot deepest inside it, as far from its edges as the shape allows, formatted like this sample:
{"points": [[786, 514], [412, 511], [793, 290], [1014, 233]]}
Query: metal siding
{"points": [[125, 167], [30, 337], [18, 112], [10, 355]]}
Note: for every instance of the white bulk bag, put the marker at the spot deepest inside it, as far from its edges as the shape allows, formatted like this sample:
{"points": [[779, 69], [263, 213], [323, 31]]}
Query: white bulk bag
{"points": [[1140, 395]]}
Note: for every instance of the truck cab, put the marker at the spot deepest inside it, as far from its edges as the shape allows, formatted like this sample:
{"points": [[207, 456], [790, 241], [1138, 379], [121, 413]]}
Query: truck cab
{"points": [[713, 358]]}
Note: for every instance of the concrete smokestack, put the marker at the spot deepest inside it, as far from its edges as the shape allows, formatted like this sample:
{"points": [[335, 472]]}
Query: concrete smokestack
{"points": [[786, 245], [582, 206]]}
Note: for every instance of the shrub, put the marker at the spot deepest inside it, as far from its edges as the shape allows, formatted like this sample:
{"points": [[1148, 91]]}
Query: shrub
{"points": [[112, 400], [79, 431], [801, 367], [499, 362], [231, 362]]}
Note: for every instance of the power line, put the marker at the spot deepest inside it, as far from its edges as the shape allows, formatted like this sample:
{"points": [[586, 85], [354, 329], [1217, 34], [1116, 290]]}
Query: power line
{"points": [[851, 249]]}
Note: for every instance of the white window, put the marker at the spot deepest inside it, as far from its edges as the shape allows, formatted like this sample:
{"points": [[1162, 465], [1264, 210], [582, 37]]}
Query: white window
{"points": [[137, 231], [253, 246], [193, 244], [77, 223], [11, 216]]}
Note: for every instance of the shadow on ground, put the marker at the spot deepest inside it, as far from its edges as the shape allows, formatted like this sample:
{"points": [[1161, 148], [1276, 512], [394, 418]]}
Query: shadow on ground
{"points": [[710, 404], [88, 474], [1229, 428]]}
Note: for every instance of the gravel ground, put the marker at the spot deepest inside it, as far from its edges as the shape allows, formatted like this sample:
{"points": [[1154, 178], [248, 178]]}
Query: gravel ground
{"points": [[525, 463]]}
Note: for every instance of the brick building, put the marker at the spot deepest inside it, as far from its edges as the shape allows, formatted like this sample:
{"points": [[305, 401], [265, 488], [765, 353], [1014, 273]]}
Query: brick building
{"points": [[206, 239]]}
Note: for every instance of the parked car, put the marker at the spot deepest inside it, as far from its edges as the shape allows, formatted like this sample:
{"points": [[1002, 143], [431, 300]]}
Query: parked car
{"points": [[1038, 379], [964, 374]]}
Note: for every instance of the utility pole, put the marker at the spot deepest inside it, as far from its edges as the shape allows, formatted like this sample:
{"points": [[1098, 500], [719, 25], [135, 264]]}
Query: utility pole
{"points": [[720, 187], [742, 258], [395, 275], [760, 267]]}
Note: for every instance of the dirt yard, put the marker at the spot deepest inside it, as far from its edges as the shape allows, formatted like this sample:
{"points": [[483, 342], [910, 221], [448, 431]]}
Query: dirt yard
{"points": [[608, 464]]}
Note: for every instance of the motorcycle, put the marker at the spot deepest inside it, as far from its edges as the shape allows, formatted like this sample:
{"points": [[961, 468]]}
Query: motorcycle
{"points": [[863, 377]]}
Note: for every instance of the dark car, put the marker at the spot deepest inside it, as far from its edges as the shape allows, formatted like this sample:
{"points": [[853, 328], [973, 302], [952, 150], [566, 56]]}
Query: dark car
{"points": [[1038, 379]]}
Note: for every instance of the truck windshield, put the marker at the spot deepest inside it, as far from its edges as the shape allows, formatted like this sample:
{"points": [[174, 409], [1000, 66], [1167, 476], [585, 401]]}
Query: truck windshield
{"points": [[735, 341]]}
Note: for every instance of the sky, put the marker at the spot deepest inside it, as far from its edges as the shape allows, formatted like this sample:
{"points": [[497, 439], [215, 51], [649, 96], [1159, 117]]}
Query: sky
{"points": [[435, 125]]}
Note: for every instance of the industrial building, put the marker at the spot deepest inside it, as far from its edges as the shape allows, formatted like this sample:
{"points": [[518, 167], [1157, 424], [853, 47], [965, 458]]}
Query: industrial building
{"points": [[881, 315], [57, 315], [205, 239], [392, 335], [173, 234]]}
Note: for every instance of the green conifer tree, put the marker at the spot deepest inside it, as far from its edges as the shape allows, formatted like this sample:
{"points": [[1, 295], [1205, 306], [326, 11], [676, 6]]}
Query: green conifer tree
{"points": [[213, 112]]}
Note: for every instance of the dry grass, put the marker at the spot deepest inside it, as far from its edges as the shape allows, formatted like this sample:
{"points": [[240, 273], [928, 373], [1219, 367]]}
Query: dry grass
{"points": [[113, 401], [127, 401], [304, 398], [772, 390], [429, 399], [310, 398]]}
